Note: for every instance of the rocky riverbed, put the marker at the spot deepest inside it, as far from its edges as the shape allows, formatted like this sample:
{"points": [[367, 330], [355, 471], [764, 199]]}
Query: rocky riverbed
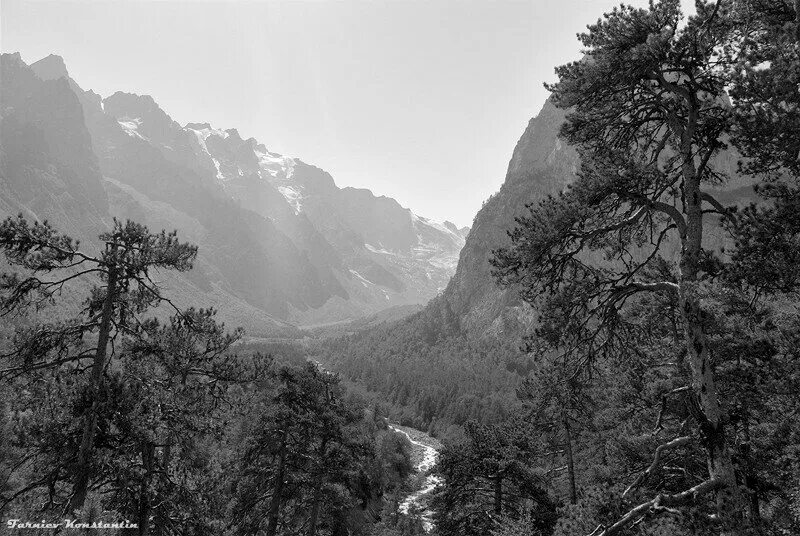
{"points": [[424, 454]]}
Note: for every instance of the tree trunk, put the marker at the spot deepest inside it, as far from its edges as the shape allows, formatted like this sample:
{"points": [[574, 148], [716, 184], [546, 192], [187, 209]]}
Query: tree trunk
{"points": [[277, 494], [750, 479], [797, 19], [161, 510], [498, 495], [80, 484], [148, 457], [317, 497], [573, 492], [709, 415], [317, 501]]}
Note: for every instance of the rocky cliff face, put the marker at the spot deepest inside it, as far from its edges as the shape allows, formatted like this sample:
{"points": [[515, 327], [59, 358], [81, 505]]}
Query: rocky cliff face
{"points": [[367, 252], [540, 166], [279, 241], [47, 165]]}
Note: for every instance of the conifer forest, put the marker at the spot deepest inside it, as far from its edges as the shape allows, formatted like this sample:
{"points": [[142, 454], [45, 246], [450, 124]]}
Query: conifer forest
{"points": [[201, 337]]}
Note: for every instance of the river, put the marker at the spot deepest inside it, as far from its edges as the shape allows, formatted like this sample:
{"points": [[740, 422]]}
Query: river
{"points": [[425, 455]]}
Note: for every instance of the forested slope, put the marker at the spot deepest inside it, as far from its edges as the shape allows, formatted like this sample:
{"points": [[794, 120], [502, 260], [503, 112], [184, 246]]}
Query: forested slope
{"points": [[460, 357], [476, 323], [661, 394]]}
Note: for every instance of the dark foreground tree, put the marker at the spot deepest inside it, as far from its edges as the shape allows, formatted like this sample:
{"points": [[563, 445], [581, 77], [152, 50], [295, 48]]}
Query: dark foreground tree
{"points": [[51, 264], [764, 86], [649, 114], [171, 414], [155, 438], [491, 476], [299, 458]]}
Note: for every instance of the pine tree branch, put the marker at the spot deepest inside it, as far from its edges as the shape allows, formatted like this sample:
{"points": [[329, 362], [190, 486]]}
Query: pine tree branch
{"points": [[675, 443], [664, 208], [659, 286], [659, 421], [661, 503], [630, 220], [718, 207]]}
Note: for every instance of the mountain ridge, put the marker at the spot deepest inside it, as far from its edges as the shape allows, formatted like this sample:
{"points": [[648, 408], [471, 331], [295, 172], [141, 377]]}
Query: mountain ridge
{"points": [[459, 358], [540, 165], [305, 250]]}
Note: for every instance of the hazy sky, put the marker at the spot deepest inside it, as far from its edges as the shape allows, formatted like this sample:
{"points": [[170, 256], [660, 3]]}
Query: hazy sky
{"points": [[422, 101]]}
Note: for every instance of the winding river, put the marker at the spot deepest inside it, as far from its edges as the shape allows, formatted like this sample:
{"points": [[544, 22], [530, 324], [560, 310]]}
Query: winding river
{"points": [[425, 457], [425, 453]]}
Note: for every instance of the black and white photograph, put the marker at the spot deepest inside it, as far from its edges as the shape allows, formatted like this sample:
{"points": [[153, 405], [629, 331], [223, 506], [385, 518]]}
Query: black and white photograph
{"points": [[400, 267]]}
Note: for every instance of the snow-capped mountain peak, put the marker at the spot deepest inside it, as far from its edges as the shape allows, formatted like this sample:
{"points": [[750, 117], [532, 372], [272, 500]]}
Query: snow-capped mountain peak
{"points": [[363, 252], [234, 158]]}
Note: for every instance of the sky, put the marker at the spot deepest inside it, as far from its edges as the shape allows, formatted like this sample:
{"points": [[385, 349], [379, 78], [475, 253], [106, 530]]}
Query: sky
{"points": [[419, 100]]}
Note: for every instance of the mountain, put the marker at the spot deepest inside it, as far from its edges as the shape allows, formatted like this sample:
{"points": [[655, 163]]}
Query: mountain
{"points": [[459, 358], [47, 165], [368, 252], [280, 243], [541, 165]]}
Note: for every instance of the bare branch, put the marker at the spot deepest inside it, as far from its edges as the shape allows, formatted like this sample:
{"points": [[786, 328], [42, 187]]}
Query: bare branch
{"points": [[659, 504], [630, 220], [659, 286], [664, 208], [659, 426], [718, 207], [675, 443]]}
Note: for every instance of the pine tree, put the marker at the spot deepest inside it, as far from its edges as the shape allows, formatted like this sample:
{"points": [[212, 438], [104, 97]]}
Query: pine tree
{"points": [[175, 402], [489, 476], [49, 262], [299, 458], [764, 61], [649, 115]]}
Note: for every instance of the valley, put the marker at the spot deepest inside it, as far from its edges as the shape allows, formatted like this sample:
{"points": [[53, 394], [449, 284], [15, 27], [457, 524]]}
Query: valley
{"points": [[202, 335], [281, 244]]}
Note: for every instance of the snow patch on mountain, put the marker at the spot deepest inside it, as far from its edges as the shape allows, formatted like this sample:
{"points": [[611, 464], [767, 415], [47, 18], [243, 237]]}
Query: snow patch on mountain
{"points": [[203, 131], [220, 176], [131, 127], [278, 170], [456, 237], [274, 164], [438, 244], [293, 197], [228, 150], [380, 250]]}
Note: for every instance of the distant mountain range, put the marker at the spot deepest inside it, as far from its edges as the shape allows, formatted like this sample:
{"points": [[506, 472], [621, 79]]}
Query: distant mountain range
{"points": [[280, 244]]}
